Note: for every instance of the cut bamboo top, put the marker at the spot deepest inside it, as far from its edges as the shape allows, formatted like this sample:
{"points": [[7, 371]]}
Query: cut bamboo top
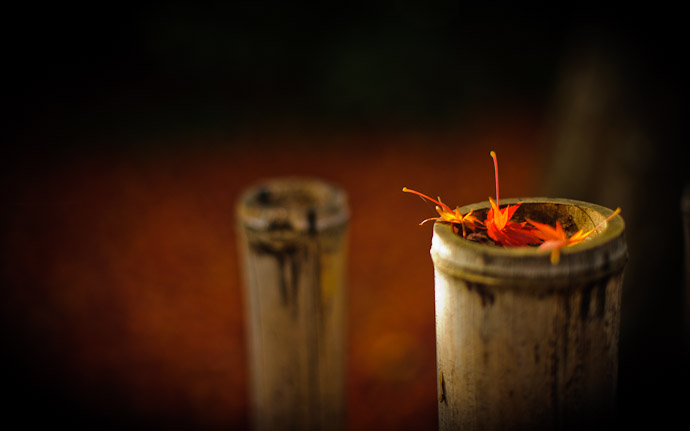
{"points": [[604, 252], [302, 205]]}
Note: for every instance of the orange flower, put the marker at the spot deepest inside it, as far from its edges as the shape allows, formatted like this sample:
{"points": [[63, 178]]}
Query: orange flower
{"points": [[556, 239], [455, 218], [498, 224], [505, 232]]}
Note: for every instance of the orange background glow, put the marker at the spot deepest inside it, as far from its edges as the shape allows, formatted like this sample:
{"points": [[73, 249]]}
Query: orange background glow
{"points": [[132, 133], [127, 282]]}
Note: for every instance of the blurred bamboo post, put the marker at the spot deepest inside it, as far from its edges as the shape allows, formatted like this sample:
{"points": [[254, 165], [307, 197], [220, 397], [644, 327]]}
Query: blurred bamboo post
{"points": [[523, 343], [292, 234]]}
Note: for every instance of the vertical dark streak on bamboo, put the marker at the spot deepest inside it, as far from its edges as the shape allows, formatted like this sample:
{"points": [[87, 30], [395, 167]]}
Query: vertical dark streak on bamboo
{"points": [[316, 341]]}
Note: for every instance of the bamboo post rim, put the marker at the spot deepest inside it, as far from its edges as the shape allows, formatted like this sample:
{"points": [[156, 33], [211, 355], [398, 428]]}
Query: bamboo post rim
{"points": [[293, 203], [604, 253]]}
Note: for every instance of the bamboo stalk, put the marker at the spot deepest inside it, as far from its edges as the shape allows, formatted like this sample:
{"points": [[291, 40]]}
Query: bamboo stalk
{"points": [[293, 241], [523, 343]]}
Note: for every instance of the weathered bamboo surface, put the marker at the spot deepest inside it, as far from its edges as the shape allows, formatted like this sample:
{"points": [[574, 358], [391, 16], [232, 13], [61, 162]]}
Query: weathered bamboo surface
{"points": [[523, 343], [293, 241]]}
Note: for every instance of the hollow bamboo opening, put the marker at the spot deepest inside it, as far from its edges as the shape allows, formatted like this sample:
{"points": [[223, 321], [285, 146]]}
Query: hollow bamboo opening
{"points": [[603, 252]]}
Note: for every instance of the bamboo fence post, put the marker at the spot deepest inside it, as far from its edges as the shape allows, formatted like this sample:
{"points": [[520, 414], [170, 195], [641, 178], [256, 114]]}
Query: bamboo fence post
{"points": [[523, 343], [292, 237]]}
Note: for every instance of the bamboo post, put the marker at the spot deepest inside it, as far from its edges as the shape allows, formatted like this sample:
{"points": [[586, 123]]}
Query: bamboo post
{"points": [[523, 343], [292, 235]]}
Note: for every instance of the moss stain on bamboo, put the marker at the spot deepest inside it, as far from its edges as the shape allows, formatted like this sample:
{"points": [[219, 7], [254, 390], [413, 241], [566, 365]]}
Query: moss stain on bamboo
{"points": [[288, 263], [487, 297]]}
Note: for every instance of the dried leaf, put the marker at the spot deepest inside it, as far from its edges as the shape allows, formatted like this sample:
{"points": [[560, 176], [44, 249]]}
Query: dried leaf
{"points": [[555, 239], [498, 224], [498, 228], [455, 218]]}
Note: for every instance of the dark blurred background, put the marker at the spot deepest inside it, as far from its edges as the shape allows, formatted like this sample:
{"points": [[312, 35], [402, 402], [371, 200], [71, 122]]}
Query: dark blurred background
{"points": [[130, 132]]}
